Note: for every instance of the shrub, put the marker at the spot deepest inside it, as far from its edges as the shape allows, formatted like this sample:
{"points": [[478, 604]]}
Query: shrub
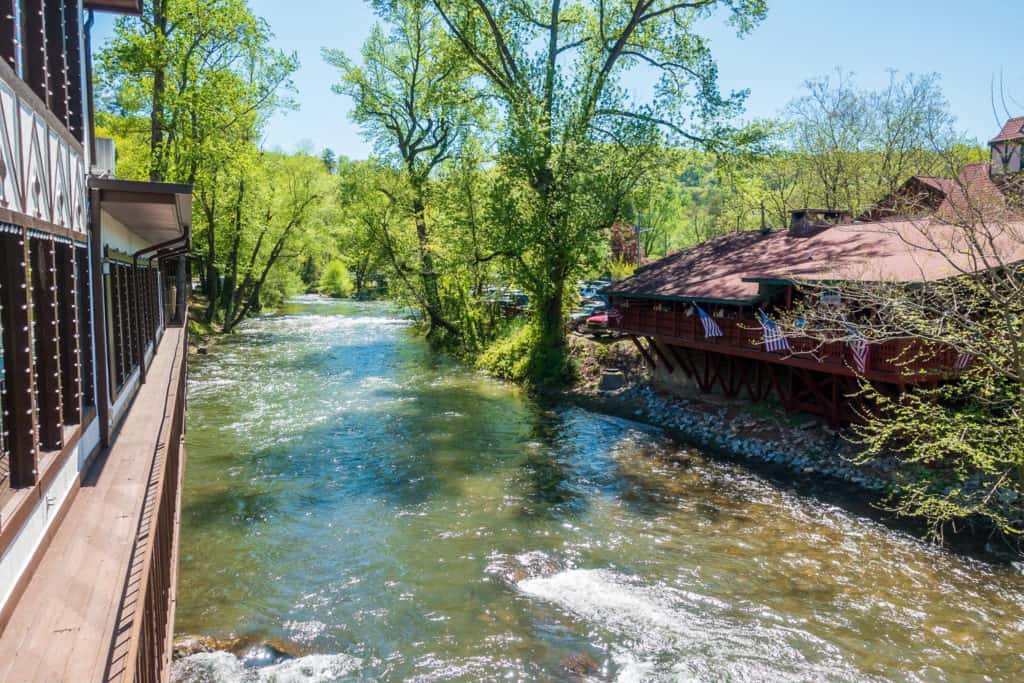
{"points": [[282, 284], [522, 356], [620, 269], [336, 281]]}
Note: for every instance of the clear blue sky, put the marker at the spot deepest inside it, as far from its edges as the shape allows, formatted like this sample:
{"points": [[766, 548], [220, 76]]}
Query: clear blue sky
{"points": [[968, 43]]}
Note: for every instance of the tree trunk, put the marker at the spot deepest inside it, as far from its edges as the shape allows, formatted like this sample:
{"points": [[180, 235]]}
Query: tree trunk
{"points": [[551, 320], [156, 116], [428, 275]]}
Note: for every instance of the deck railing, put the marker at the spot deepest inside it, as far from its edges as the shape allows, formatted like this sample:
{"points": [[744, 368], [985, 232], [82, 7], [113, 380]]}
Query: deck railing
{"points": [[152, 626], [896, 358]]}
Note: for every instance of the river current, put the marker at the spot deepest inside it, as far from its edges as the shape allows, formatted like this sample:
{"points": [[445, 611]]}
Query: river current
{"points": [[385, 514]]}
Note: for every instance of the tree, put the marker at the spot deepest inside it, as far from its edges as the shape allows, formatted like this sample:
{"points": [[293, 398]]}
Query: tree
{"points": [[292, 192], [197, 80], [555, 70], [330, 160], [413, 98], [859, 145]]}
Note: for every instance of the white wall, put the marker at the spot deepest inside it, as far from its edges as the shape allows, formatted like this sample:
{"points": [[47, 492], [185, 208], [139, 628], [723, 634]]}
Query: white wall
{"points": [[118, 236], [1016, 157]]}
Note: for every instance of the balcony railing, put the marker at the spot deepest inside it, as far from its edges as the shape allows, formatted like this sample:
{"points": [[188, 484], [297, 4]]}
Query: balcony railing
{"points": [[894, 360]]}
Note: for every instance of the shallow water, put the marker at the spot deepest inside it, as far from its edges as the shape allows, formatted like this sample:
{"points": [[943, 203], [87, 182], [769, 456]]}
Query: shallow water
{"points": [[391, 515]]}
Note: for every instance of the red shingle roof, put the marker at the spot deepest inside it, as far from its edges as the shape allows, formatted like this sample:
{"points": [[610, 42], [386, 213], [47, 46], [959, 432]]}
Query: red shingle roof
{"points": [[976, 197], [896, 250], [727, 268], [943, 185], [1012, 130]]}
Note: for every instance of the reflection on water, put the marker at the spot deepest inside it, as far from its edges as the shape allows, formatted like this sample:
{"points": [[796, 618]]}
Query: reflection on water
{"points": [[391, 515]]}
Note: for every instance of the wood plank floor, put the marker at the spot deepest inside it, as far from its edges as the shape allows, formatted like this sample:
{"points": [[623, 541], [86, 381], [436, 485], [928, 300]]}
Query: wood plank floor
{"points": [[65, 624]]}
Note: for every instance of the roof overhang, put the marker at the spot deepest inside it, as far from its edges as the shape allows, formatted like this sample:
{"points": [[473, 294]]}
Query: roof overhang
{"points": [[156, 212], [118, 6], [687, 299]]}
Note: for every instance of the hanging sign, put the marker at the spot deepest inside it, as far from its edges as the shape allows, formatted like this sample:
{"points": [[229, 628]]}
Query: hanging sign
{"points": [[831, 297]]}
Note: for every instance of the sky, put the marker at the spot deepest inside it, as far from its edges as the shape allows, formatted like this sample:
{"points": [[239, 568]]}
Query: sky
{"points": [[968, 43]]}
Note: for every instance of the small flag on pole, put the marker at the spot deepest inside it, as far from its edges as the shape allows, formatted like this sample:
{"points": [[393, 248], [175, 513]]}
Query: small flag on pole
{"points": [[774, 340], [859, 347], [711, 328]]}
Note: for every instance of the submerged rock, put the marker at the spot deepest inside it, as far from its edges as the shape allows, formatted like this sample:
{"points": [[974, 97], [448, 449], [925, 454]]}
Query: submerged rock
{"points": [[511, 569], [580, 663]]}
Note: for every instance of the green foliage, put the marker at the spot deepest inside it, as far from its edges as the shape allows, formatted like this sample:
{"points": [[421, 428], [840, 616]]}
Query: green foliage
{"points": [[521, 356], [281, 284], [960, 451], [336, 281], [620, 270]]}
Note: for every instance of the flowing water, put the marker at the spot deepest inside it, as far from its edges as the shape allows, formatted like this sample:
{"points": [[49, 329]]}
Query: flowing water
{"points": [[385, 514]]}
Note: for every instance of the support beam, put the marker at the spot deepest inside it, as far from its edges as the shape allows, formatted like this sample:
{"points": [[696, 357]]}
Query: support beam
{"points": [[657, 350], [99, 320], [57, 60], [33, 41], [643, 351]]}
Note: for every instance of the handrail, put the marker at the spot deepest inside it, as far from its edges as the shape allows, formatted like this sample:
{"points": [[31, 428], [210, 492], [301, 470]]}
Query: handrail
{"points": [[888, 358], [151, 631]]}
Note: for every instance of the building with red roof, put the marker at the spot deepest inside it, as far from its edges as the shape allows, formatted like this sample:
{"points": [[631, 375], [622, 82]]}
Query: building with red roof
{"points": [[926, 232]]}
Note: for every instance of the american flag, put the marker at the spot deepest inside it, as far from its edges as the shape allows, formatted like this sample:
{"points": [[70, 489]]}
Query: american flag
{"points": [[711, 328], [774, 340], [860, 348], [964, 360]]}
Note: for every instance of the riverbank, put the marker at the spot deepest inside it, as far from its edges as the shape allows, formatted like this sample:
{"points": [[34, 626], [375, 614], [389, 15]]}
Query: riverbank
{"points": [[792, 445]]}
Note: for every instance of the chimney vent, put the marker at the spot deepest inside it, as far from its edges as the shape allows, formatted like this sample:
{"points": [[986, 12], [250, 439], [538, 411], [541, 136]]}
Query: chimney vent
{"points": [[807, 222], [105, 163]]}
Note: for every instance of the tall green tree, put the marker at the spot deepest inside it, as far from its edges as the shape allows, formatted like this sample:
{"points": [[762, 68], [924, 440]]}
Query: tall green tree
{"points": [[413, 98], [196, 80], [573, 139]]}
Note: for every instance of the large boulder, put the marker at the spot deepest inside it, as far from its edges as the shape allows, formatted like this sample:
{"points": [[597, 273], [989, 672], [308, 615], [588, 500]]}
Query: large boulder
{"points": [[612, 380]]}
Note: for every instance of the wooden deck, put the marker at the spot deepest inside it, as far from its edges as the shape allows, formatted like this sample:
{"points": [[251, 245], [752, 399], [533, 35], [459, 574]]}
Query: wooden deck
{"points": [[78, 619], [894, 362]]}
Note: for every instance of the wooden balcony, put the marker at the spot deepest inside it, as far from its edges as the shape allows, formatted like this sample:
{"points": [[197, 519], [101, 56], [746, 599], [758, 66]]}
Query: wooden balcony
{"points": [[897, 362], [100, 604]]}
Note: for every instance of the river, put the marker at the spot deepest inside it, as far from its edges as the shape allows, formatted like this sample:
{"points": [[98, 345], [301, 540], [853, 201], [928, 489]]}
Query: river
{"points": [[389, 515]]}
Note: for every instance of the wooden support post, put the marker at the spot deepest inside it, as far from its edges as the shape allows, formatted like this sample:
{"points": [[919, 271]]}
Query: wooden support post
{"points": [[137, 290], [76, 117], [85, 336], [99, 321], [9, 33], [657, 350], [834, 418], [730, 384], [56, 59], [705, 386], [16, 297], [47, 344], [643, 351]]}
